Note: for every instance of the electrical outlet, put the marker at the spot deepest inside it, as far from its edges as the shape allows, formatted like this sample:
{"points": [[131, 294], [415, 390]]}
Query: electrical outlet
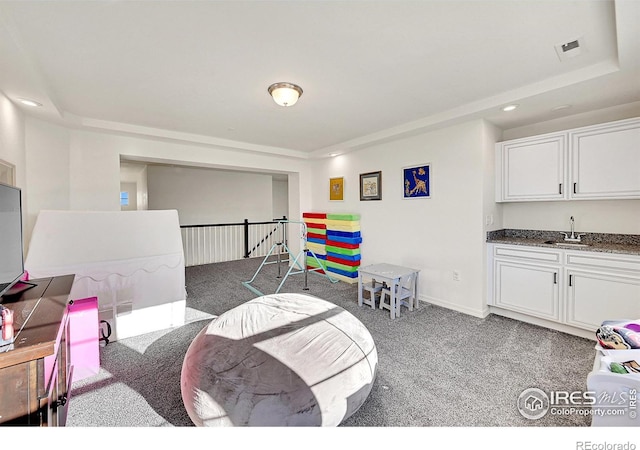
{"points": [[456, 275], [488, 220]]}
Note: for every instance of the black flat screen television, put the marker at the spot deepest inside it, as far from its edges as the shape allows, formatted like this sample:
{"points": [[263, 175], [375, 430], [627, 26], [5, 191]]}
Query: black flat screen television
{"points": [[11, 252]]}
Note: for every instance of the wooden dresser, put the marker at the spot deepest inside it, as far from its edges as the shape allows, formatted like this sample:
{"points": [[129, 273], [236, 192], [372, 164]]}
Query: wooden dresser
{"points": [[35, 374]]}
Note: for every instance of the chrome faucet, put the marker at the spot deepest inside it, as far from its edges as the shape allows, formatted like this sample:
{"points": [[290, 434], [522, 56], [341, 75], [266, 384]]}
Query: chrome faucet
{"points": [[573, 237]]}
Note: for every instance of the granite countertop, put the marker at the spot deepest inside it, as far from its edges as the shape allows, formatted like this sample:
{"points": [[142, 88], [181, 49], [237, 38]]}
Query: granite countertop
{"points": [[597, 242]]}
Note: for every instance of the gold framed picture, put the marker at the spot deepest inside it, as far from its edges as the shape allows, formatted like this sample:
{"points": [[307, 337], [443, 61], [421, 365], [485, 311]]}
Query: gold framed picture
{"points": [[336, 188]]}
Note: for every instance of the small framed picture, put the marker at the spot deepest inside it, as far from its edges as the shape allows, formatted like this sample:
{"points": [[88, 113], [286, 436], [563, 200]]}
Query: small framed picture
{"points": [[336, 188], [371, 186], [416, 181]]}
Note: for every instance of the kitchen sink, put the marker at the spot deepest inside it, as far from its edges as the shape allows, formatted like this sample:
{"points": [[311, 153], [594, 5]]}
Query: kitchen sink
{"points": [[567, 244]]}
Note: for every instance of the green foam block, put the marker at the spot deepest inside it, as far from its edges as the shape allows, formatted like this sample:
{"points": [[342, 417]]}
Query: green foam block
{"points": [[316, 230], [342, 266], [342, 251], [311, 261], [343, 216]]}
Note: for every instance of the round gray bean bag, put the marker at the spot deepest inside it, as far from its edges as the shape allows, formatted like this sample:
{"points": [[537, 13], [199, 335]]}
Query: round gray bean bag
{"points": [[279, 360]]}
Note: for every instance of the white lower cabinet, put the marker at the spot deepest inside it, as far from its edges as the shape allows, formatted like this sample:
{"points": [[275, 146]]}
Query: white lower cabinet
{"points": [[529, 289], [578, 289], [594, 296], [601, 286]]}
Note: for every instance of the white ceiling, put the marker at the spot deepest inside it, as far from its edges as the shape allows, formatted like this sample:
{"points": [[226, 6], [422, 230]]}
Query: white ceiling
{"points": [[370, 70]]}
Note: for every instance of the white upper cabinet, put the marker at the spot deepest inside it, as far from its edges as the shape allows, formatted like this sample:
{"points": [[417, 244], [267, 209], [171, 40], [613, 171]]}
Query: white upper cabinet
{"points": [[595, 162], [533, 168], [605, 161]]}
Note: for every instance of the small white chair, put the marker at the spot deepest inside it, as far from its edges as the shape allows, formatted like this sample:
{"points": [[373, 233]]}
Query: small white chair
{"points": [[374, 288], [405, 295]]}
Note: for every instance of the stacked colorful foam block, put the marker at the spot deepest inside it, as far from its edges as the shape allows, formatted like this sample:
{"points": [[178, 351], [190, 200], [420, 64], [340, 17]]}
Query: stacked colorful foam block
{"points": [[335, 239], [316, 236]]}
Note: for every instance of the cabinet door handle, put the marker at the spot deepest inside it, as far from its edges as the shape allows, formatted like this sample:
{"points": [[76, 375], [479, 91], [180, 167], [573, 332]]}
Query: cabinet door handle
{"points": [[555, 278], [570, 280], [575, 188], [560, 188]]}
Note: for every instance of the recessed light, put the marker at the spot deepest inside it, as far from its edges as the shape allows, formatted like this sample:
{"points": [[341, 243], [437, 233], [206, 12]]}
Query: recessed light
{"points": [[28, 102], [509, 108], [333, 154], [560, 107]]}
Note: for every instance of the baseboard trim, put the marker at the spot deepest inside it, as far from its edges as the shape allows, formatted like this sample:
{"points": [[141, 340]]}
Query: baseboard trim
{"points": [[591, 335], [486, 310], [480, 313]]}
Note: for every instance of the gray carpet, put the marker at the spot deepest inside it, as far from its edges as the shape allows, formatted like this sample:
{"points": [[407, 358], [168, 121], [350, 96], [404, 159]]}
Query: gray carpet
{"points": [[437, 367]]}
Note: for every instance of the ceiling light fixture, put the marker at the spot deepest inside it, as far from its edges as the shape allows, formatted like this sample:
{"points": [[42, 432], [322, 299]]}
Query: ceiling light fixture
{"points": [[28, 102], [285, 94], [509, 108]]}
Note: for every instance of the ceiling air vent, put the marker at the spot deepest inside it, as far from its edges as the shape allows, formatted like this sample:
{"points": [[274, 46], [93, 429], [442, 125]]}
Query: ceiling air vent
{"points": [[570, 49]]}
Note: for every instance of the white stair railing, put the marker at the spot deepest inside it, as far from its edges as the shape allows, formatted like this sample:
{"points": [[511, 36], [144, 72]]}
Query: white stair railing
{"points": [[207, 244]]}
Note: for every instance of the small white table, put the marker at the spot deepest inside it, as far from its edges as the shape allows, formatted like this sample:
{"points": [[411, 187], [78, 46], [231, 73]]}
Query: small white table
{"points": [[390, 274]]}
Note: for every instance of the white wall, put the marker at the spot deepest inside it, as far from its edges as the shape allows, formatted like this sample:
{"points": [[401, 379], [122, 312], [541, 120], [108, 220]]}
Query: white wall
{"points": [[47, 169], [492, 211], [626, 111], [94, 179], [136, 173], [280, 199], [80, 169], [436, 235], [12, 132], [596, 216], [204, 196], [300, 188], [12, 147]]}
